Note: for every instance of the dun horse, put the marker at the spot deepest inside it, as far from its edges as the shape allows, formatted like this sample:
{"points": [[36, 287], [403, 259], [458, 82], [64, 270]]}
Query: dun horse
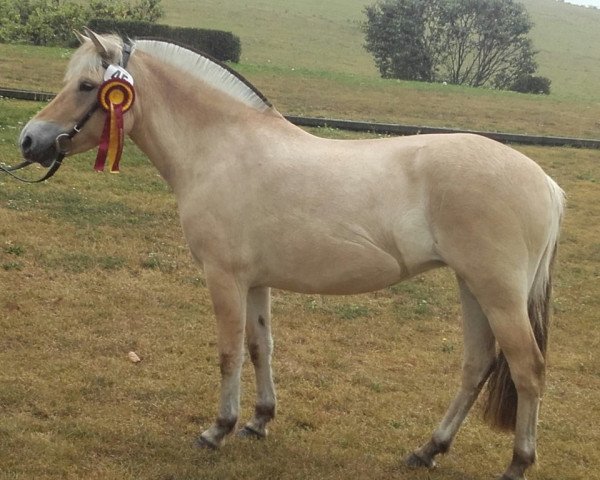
{"points": [[265, 204]]}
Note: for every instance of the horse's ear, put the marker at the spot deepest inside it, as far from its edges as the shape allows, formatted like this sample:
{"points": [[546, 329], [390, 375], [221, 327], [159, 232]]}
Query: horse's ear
{"points": [[97, 41], [82, 38]]}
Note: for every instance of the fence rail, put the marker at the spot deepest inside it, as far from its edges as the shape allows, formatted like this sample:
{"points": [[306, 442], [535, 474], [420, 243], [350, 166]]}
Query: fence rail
{"points": [[397, 129], [26, 95], [382, 128]]}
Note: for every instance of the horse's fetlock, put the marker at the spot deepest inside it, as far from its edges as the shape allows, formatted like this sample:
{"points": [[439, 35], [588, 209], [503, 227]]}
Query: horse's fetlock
{"points": [[523, 459], [226, 425], [265, 412], [439, 446]]}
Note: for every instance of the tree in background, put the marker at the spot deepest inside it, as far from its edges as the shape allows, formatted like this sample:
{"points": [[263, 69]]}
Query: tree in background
{"points": [[471, 42], [51, 22], [396, 36]]}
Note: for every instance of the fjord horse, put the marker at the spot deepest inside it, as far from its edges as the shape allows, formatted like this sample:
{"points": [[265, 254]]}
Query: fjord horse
{"points": [[265, 204]]}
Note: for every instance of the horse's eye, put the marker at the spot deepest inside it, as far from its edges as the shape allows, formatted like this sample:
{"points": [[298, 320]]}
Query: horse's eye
{"points": [[86, 86]]}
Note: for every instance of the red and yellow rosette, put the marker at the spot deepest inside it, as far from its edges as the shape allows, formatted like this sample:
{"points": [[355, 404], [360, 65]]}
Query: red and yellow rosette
{"points": [[115, 97]]}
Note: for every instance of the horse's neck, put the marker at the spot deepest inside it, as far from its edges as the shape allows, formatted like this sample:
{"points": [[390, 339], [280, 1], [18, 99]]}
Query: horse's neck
{"points": [[180, 122]]}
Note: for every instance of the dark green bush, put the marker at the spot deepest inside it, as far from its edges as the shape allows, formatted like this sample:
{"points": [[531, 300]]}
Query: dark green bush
{"points": [[532, 84], [223, 46]]}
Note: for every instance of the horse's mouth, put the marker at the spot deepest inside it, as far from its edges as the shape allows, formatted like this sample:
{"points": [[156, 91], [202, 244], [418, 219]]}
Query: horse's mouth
{"points": [[44, 158], [38, 142]]}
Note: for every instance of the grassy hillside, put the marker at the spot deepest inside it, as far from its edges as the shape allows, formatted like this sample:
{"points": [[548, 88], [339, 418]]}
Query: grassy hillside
{"points": [[568, 38], [326, 36], [312, 34]]}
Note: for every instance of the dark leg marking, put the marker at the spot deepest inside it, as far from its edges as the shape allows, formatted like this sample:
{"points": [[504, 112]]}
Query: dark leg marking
{"points": [[226, 363], [264, 412], [261, 321], [262, 415], [226, 424], [254, 351], [520, 463]]}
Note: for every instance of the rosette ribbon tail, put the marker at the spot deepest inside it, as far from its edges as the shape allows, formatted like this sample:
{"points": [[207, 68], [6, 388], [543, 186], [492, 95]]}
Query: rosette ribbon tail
{"points": [[115, 146], [112, 140]]}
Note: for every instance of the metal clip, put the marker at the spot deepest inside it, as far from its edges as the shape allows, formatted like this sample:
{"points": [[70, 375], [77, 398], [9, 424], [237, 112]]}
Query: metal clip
{"points": [[63, 143]]}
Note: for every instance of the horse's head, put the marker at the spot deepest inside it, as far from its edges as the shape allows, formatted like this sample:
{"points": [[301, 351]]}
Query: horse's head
{"points": [[72, 123]]}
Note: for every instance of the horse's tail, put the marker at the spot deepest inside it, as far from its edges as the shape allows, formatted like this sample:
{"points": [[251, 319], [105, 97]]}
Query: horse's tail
{"points": [[500, 408]]}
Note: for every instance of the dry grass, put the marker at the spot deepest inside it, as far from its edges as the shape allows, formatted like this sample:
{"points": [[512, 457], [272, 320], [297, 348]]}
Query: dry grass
{"points": [[93, 266]]}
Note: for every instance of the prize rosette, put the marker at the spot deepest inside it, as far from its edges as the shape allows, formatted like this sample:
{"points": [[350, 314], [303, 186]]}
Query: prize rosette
{"points": [[115, 96]]}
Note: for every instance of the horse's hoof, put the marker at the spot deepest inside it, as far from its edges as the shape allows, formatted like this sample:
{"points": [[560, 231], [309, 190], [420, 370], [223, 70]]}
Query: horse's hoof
{"points": [[415, 461], [203, 442], [506, 477], [248, 432]]}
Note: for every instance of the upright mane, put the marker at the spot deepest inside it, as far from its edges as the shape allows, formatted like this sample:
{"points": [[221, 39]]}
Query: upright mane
{"points": [[214, 73]]}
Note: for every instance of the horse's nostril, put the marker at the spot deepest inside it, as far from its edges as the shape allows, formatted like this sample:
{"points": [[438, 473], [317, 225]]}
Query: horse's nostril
{"points": [[26, 143]]}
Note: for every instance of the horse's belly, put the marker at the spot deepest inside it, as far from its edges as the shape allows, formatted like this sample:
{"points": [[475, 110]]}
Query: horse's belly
{"points": [[346, 269]]}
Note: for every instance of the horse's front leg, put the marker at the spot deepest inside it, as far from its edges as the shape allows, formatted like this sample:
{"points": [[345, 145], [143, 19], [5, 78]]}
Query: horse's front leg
{"points": [[260, 347], [229, 303]]}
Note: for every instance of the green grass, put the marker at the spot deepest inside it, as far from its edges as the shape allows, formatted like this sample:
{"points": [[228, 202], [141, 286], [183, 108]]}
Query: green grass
{"points": [[93, 266], [565, 36], [321, 35]]}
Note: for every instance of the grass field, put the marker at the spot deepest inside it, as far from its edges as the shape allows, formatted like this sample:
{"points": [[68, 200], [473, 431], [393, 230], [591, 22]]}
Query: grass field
{"points": [[93, 266], [326, 36]]}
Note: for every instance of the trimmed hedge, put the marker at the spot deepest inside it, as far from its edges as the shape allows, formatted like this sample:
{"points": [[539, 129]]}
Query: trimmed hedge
{"points": [[224, 46]]}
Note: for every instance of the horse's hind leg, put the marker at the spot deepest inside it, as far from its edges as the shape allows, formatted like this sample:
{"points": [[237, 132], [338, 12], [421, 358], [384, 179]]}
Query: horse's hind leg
{"points": [[479, 354], [516, 339], [260, 347]]}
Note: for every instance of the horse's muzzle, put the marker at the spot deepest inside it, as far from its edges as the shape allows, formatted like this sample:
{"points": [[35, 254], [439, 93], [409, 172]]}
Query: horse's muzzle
{"points": [[38, 142]]}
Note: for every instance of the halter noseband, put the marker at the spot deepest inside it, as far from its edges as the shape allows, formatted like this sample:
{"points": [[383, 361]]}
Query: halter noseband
{"points": [[62, 142]]}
